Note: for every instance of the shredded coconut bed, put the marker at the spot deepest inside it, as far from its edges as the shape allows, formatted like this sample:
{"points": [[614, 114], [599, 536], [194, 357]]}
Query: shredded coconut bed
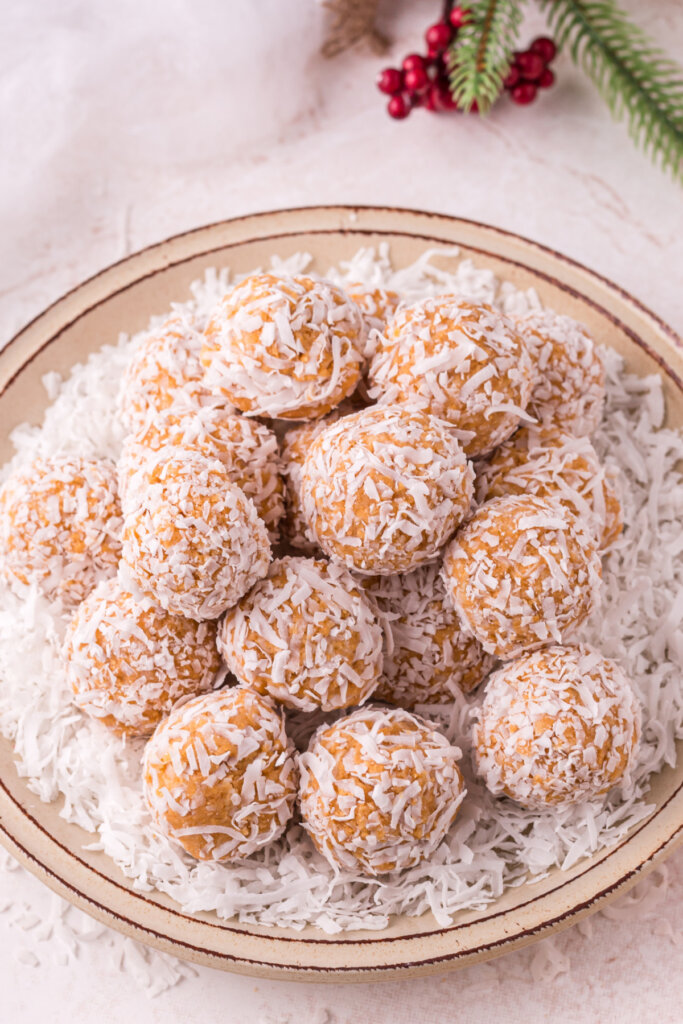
{"points": [[493, 844]]}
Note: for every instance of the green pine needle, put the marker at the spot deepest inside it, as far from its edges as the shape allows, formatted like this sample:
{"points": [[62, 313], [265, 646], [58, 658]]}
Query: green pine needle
{"points": [[479, 58], [637, 80]]}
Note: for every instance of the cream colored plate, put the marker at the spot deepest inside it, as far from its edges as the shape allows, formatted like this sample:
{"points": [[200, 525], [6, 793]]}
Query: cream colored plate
{"points": [[121, 299]]}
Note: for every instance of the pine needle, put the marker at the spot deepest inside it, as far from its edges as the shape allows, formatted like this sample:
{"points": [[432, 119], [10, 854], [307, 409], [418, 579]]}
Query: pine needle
{"points": [[479, 58], [639, 83]]}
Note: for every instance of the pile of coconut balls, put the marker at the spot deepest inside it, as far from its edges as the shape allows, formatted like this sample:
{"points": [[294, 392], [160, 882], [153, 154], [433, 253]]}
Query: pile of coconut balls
{"points": [[356, 507]]}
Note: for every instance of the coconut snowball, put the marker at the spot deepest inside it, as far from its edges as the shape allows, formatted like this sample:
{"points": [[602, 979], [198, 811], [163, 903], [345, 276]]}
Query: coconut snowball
{"points": [[305, 636], [129, 661], [429, 658], [462, 362], [286, 347], [384, 489], [164, 370], [60, 526], [557, 727], [295, 445], [219, 775], [194, 541], [523, 573], [550, 463], [379, 790], [248, 450], [377, 306], [570, 387]]}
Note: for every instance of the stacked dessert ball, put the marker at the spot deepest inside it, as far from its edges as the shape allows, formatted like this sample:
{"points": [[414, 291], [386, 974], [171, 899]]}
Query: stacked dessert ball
{"points": [[408, 574]]}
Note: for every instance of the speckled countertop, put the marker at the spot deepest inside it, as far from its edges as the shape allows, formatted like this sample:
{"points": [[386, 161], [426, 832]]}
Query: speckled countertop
{"points": [[125, 122]]}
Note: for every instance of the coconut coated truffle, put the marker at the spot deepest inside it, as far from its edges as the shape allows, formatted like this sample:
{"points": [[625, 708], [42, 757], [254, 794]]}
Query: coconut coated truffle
{"points": [[219, 775], [164, 370], [377, 306], [550, 463], [60, 526], [295, 445], [129, 661], [464, 363], [429, 658], [570, 379], [523, 573], [384, 489], [194, 542], [305, 636], [379, 790], [286, 347], [247, 448], [557, 727]]}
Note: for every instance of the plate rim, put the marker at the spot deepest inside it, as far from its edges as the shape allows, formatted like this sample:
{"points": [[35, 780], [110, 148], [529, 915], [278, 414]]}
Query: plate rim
{"points": [[422, 964], [351, 208]]}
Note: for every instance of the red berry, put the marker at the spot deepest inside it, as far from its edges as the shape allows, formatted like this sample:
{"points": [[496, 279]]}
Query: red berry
{"points": [[390, 81], [512, 78], [545, 47], [440, 64], [413, 61], [439, 55], [438, 37], [474, 109], [398, 107], [523, 93], [530, 65], [431, 99], [446, 99], [546, 80], [415, 79], [438, 96], [457, 17]]}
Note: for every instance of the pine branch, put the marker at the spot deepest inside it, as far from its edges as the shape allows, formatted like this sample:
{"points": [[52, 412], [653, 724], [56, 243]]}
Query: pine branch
{"points": [[479, 58], [637, 80]]}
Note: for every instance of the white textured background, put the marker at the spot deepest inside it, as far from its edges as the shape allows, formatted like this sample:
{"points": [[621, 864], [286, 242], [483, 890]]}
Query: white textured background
{"points": [[125, 121]]}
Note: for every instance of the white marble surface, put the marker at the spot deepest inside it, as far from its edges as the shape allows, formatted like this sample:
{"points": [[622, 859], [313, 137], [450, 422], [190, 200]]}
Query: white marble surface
{"points": [[124, 122]]}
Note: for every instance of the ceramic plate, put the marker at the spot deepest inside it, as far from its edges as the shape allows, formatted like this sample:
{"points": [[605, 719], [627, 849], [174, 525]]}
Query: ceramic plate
{"points": [[121, 299]]}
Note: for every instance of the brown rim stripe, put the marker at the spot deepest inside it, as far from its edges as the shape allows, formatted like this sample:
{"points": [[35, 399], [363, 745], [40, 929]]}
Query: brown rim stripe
{"points": [[221, 926], [564, 920], [369, 208]]}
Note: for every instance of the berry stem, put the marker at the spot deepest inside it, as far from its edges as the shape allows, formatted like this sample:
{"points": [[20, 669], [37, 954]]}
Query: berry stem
{"points": [[484, 38], [480, 55]]}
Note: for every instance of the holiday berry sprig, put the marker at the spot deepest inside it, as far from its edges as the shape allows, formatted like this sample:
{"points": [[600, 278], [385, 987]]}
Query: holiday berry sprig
{"points": [[530, 71], [481, 58], [471, 60], [423, 79]]}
